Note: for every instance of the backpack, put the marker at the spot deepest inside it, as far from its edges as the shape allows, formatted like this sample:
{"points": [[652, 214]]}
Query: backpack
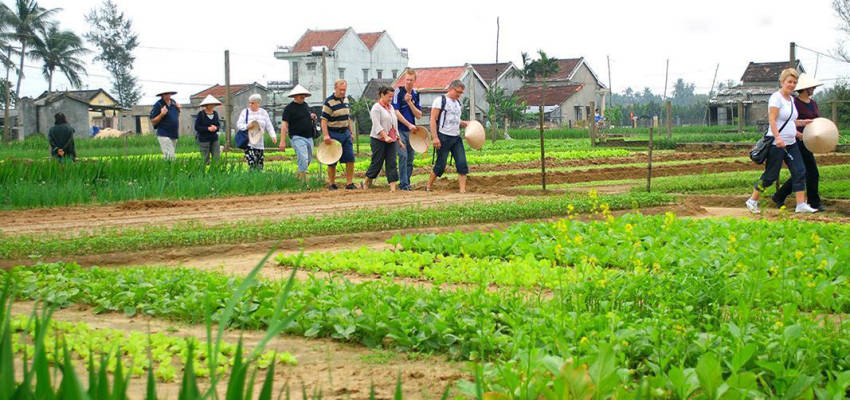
{"points": [[241, 138]]}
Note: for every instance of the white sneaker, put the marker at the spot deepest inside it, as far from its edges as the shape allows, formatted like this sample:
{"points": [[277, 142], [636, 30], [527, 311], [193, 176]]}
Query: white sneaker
{"points": [[805, 208], [753, 206]]}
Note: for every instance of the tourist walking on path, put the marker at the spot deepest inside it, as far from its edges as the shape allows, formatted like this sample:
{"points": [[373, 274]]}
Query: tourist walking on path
{"points": [[446, 123], [337, 126], [165, 117], [782, 116], [383, 139], [407, 109], [808, 110], [257, 122], [207, 126], [299, 125]]}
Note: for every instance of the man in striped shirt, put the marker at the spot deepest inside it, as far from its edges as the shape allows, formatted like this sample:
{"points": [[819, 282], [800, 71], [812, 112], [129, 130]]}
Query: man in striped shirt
{"points": [[335, 125]]}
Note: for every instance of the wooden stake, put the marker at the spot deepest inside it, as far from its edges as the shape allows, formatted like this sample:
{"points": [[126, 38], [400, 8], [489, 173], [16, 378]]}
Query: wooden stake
{"points": [[228, 108], [669, 119], [740, 116], [649, 164]]}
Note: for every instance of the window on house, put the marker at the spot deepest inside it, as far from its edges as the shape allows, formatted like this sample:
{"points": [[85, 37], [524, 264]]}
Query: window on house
{"points": [[365, 75], [294, 73], [380, 73], [342, 73], [311, 66], [578, 113], [395, 73]]}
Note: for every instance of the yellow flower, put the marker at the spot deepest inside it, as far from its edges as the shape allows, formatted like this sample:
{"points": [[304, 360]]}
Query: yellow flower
{"points": [[798, 255], [629, 228], [810, 284], [583, 340], [778, 325], [570, 208], [578, 240], [602, 282], [732, 238]]}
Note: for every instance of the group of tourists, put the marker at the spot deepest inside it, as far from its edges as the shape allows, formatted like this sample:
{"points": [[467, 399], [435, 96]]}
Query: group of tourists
{"points": [[788, 116]]}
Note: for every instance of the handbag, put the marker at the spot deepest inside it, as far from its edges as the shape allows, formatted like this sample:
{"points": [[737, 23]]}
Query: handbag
{"points": [[241, 138], [762, 147]]}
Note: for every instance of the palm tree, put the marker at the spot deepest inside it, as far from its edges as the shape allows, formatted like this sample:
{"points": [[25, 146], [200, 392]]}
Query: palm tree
{"points": [[25, 20], [60, 50], [542, 69]]}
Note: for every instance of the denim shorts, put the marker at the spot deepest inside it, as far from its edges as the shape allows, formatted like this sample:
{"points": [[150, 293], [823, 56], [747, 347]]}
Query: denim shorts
{"points": [[303, 150]]}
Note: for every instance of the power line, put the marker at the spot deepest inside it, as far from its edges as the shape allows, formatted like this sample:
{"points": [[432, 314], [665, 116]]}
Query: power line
{"points": [[823, 54], [139, 79]]}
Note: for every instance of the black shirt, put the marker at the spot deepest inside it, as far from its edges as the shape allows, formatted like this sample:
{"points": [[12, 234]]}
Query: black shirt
{"points": [[202, 126], [62, 137], [298, 118]]}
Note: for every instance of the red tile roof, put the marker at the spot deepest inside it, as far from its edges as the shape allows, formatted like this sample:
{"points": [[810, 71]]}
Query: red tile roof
{"points": [[311, 39], [489, 72], [370, 38], [555, 95], [435, 79], [218, 91], [566, 67]]}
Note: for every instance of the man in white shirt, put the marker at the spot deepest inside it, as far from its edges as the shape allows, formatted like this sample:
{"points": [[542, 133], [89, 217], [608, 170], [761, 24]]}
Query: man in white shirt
{"points": [[446, 123]]}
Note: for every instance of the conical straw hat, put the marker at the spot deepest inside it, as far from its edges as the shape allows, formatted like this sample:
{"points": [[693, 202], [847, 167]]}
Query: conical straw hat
{"points": [[419, 139], [298, 89], [475, 135], [210, 99], [329, 153], [807, 81], [820, 136]]}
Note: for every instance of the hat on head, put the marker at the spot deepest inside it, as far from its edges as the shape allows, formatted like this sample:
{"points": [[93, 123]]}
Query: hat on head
{"points": [[298, 89], [475, 135], [171, 92], [210, 99], [807, 81], [329, 153], [820, 136]]}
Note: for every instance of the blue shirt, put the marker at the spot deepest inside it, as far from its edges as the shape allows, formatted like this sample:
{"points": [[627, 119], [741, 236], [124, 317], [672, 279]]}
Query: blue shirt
{"points": [[169, 125], [401, 105]]}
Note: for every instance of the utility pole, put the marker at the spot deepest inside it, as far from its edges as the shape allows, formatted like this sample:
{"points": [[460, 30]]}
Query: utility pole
{"points": [[494, 88], [666, 75], [324, 73], [228, 108], [497, 41], [471, 73], [7, 129], [710, 92], [610, 88]]}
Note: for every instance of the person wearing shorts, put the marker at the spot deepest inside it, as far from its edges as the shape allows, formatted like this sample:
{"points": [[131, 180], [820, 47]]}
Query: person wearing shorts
{"points": [[298, 124], [446, 121], [336, 126]]}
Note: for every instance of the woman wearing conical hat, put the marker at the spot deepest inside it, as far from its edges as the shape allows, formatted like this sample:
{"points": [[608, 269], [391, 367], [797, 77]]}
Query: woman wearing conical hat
{"points": [[207, 125]]}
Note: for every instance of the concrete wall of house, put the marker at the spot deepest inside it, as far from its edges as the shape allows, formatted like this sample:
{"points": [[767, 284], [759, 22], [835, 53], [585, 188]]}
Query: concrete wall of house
{"points": [[581, 99], [386, 57], [584, 76], [127, 119], [39, 119], [510, 84], [351, 55]]}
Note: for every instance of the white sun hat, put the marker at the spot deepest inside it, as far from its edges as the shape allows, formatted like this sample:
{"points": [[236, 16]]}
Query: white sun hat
{"points": [[475, 135], [807, 81], [298, 89], [329, 153], [210, 99]]}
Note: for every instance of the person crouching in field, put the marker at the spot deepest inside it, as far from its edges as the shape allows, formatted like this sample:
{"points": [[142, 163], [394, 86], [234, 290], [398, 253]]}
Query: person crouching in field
{"points": [[446, 123], [61, 138], [207, 125], [383, 139], [782, 116], [299, 124], [256, 121]]}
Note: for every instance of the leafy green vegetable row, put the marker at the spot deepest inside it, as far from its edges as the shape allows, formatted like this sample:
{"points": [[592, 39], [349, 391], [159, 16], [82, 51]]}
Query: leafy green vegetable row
{"points": [[151, 237], [653, 323]]}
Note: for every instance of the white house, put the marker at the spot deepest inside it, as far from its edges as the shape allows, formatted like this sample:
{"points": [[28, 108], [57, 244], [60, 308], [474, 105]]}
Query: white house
{"points": [[500, 74], [569, 93], [357, 58]]}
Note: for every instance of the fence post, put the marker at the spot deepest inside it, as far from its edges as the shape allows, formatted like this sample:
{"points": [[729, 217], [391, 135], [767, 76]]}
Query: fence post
{"points": [[649, 163], [740, 116], [669, 121], [591, 123], [835, 112]]}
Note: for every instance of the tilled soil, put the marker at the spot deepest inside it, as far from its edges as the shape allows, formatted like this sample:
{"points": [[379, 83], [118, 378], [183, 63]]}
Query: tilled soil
{"points": [[217, 210], [338, 370]]}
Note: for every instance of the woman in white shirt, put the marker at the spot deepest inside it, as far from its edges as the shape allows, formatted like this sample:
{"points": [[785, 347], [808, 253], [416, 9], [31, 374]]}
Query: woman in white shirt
{"points": [[782, 116], [383, 138], [257, 122]]}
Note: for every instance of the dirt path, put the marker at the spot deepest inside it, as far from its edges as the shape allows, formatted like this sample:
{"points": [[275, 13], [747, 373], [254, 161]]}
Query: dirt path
{"points": [[506, 184], [209, 211], [339, 370]]}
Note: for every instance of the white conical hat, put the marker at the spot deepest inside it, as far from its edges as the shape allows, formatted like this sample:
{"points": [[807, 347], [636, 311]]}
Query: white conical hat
{"points": [[419, 139], [329, 153], [210, 99], [807, 81], [820, 136], [475, 135], [298, 89]]}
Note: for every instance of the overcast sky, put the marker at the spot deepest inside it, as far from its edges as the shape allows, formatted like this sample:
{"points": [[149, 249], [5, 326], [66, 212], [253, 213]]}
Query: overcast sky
{"points": [[182, 42]]}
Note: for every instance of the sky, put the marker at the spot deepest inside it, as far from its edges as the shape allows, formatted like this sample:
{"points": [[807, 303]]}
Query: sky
{"points": [[182, 43]]}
